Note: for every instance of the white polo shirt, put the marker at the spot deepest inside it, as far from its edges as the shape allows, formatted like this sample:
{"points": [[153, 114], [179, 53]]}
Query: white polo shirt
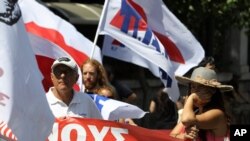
{"points": [[80, 106]]}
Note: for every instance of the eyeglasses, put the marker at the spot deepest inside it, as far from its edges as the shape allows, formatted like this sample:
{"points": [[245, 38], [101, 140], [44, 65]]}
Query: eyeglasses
{"points": [[63, 59]]}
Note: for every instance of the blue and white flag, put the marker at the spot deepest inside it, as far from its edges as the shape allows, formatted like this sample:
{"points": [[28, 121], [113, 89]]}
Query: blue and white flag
{"points": [[113, 109], [146, 33], [123, 22]]}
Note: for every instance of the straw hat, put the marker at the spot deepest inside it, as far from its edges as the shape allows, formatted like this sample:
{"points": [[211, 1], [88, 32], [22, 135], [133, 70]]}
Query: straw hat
{"points": [[206, 77]]}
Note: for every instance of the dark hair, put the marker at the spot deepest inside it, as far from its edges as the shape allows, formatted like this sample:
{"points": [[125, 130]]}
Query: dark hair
{"points": [[165, 105], [165, 114], [109, 72], [207, 60], [216, 102]]}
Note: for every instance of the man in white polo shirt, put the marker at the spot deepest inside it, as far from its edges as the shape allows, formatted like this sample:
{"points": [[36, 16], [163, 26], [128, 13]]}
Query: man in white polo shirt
{"points": [[62, 99]]}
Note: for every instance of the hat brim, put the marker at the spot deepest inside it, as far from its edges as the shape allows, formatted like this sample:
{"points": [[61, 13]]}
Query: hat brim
{"points": [[58, 64], [185, 81]]}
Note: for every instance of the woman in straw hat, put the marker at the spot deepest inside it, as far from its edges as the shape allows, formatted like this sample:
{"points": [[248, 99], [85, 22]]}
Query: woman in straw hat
{"points": [[204, 117]]}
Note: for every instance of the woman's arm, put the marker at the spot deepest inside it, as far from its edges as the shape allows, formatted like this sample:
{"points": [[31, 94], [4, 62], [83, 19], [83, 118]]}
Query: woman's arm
{"points": [[212, 119], [152, 106], [188, 115]]}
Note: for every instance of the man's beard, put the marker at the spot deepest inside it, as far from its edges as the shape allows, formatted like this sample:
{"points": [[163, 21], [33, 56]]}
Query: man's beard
{"points": [[90, 85], [12, 17]]}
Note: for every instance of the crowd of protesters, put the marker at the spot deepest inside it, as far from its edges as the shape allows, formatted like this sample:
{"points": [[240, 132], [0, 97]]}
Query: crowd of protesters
{"points": [[202, 113], [199, 115]]}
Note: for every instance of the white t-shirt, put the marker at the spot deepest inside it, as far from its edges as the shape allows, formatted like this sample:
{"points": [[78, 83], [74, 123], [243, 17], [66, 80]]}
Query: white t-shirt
{"points": [[80, 106], [179, 115]]}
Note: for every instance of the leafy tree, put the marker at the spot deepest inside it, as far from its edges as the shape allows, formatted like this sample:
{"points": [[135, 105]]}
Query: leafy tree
{"points": [[209, 20]]}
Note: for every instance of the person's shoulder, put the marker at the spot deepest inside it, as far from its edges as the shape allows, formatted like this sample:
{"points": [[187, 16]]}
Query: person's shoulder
{"points": [[83, 96], [118, 83], [49, 93], [51, 97]]}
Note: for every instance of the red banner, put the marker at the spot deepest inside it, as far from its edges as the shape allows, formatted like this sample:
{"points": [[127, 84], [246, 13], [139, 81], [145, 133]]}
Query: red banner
{"points": [[83, 129]]}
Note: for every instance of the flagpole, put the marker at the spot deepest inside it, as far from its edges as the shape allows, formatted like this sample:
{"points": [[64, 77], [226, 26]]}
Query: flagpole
{"points": [[98, 28]]}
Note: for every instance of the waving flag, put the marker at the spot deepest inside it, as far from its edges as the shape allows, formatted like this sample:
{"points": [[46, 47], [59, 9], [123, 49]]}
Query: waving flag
{"points": [[183, 49], [23, 105], [52, 37], [113, 109], [151, 23], [6, 133]]}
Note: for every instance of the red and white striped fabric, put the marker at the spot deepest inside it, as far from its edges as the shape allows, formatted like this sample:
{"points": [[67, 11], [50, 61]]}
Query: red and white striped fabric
{"points": [[6, 132], [52, 37]]}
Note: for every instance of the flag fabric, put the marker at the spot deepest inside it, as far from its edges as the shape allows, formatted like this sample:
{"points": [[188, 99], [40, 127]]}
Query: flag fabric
{"points": [[84, 129], [52, 37], [151, 23], [113, 109], [6, 133], [23, 105]]}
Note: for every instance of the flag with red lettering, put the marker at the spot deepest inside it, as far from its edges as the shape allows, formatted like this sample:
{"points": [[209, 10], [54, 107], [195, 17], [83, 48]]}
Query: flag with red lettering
{"points": [[84, 129], [52, 37], [23, 105], [142, 30]]}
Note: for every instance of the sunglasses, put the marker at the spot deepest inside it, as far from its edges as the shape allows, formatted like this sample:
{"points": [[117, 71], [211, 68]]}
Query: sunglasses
{"points": [[59, 70]]}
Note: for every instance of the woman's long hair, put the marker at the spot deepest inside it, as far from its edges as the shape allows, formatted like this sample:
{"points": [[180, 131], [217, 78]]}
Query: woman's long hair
{"points": [[216, 102]]}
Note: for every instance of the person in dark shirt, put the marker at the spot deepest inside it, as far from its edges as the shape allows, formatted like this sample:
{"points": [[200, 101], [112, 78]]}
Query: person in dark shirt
{"points": [[163, 112], [124, 93]]}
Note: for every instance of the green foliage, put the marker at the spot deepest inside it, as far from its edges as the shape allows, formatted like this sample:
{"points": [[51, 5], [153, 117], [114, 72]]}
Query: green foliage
{"points": [[225, 13], [209, 20]]}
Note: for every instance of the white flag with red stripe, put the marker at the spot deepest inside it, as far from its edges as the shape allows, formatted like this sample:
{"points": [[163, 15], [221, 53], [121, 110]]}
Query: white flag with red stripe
{"points": [[23, 105], [52, 37]]}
